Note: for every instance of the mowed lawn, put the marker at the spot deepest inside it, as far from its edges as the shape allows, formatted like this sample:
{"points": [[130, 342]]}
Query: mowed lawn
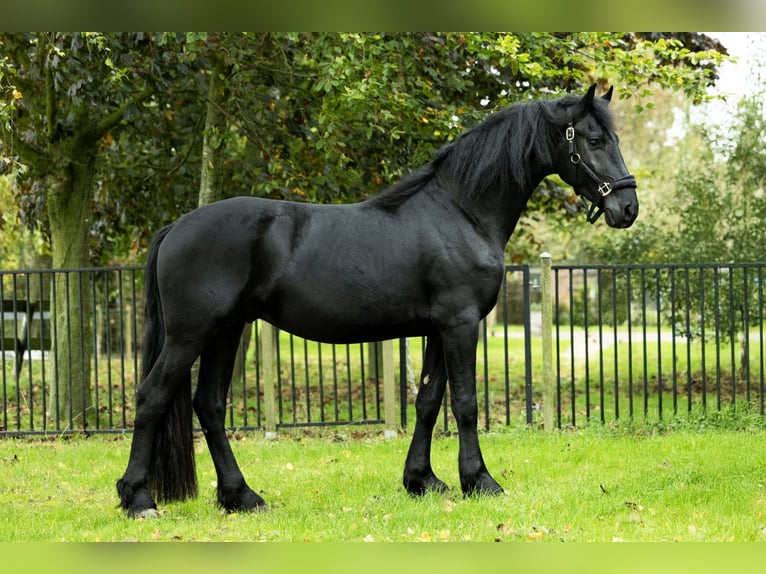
{"points": [[597, 484]]}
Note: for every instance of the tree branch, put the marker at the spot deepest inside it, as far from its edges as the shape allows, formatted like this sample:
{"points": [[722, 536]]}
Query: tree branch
{"points": [[113, 119], [51, 108], [31, 156]]}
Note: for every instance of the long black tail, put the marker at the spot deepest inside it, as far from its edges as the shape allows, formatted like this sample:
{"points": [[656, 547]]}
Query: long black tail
{"points": [[172, 474]]}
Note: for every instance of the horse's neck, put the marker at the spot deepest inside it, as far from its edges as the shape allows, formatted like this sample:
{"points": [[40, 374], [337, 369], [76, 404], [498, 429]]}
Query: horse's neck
{"points": [[498, 211]]}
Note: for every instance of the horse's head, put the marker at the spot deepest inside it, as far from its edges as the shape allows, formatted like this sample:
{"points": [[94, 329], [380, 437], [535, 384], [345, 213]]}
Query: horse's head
{"points": [[589, 159]]}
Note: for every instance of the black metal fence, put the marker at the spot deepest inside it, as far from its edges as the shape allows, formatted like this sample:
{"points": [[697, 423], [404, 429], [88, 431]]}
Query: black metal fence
{"points": [[659, 341], [649, 342]]}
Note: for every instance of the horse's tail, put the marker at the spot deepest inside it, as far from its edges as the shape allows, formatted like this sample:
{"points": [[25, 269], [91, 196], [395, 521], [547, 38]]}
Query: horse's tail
{"points": [[172, 473]]}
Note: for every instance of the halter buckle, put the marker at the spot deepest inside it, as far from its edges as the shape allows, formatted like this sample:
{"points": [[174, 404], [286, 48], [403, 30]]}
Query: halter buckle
{"points": [[605, 189], [570, 133]]}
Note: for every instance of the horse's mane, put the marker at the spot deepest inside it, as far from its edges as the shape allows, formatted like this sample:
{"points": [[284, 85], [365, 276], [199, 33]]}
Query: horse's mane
{"points": [[498, 152]]}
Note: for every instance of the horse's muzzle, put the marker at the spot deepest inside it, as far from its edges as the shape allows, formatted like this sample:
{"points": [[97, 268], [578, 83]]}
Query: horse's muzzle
{"points": [[621, 210]]}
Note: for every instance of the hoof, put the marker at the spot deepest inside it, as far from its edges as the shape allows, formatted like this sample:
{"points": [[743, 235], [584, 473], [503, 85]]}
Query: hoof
{"points": [[147, 514], [484, 485], [245, 500], [421, 485], [137, 503]]}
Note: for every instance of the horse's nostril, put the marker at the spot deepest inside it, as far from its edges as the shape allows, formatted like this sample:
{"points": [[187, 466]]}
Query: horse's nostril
{"points": [[631, 210]]}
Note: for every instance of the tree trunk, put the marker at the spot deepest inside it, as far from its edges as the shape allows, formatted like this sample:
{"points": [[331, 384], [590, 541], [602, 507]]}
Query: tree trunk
{"points": [[211, 176], [70, 215], [214, 138]]}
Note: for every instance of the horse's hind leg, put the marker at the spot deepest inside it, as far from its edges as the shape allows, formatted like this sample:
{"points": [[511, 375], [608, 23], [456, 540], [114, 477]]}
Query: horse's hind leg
{"points": [[165, 380], [216, 366], [419, 477]]}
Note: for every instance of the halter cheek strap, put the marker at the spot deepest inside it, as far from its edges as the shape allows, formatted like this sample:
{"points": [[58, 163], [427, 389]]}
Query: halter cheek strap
{"points": [[603, 187]]}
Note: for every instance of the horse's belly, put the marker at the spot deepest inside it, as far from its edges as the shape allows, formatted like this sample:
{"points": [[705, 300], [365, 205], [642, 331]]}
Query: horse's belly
{"points": [[335, 313]]}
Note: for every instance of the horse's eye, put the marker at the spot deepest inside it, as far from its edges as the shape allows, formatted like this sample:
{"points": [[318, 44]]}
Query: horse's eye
{"points": [[594, 141]]}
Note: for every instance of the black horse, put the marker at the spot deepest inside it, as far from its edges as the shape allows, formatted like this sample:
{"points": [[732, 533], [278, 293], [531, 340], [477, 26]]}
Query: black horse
{"points": [[424, 257]]}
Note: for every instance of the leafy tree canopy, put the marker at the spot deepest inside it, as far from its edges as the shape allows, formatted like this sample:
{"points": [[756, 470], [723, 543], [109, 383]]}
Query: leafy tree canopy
{"points": [[312, 117]]}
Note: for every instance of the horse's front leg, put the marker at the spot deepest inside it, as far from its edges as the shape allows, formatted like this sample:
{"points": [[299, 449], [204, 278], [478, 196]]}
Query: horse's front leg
{"points": [[460, 340], [419, 477]]}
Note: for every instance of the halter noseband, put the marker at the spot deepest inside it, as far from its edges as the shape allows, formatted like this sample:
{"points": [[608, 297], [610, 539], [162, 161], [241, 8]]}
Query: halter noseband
{"points": [[604, 188]]}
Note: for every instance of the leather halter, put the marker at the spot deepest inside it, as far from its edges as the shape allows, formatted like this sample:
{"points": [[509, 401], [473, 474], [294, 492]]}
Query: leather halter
{"points": [[603, 187]]}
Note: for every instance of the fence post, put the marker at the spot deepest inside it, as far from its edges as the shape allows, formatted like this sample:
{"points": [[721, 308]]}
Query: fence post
{"points": [[269, 379], [389, 387], [547, 340]]}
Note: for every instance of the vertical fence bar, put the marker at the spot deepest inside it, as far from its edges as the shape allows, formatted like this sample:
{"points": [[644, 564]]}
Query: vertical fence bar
{"points": [[403, 351], [732, 338], [27, 334], [506, 368], [15, 301], [95, 318], [273, 333], [687, 306], [527, 344], [629, 302], [761, 346], [335, 397], [136, 341], [108, 342], [485, 342], [745, 350], [572, 383], [586, 320], [555, 318], [269, 379], [547, 340], [43, 348], [389, 387], [716, 306], [2, 359], [673, 334], [658, 315], [644, 347], [258, 379], [703, 339], [348, 372], [616, 347], [600, 307]]}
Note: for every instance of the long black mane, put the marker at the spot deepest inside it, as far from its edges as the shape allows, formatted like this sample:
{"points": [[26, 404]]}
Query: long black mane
{"points": [[500, 153]]}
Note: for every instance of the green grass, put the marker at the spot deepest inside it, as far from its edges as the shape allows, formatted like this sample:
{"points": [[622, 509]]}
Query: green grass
{"points": [[599, 484]]}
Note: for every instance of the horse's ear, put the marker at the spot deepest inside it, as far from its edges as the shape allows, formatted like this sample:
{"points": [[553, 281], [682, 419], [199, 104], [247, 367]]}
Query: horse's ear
{"points": [[608, 95], [587, 100]]}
